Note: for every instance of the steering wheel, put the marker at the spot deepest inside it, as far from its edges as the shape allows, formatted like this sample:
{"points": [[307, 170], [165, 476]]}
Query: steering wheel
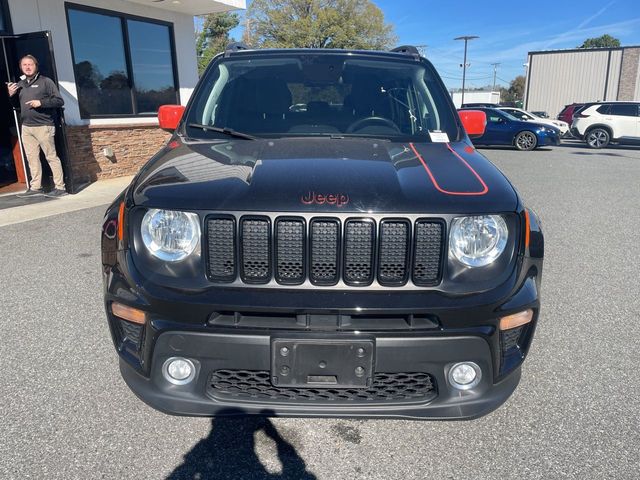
{"points": [[358, 124]]}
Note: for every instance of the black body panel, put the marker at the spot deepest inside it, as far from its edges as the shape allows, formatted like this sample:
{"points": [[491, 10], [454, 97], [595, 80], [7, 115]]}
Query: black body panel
{"points": [[324, 175]]}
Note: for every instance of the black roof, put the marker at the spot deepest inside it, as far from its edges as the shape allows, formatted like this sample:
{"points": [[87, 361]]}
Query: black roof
{"points": [[239, 49]]}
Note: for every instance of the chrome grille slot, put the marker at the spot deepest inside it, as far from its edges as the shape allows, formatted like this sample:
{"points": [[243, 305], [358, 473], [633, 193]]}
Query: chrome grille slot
{"points": [[221, 233], [290, 240], [428, 252], [358, 251], [325, 237], [393, 252], [256, 250]]}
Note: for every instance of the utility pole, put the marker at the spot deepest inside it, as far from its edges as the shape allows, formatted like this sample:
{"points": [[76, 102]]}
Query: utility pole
{"points": [[495, 71], [466, 38]]}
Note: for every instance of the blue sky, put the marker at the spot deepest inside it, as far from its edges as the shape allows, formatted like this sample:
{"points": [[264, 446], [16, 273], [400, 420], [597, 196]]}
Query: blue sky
{"points": [[507, 31]]}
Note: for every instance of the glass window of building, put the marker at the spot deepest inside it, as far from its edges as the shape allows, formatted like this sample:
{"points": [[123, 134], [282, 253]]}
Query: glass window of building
{"points": [[123, 66]]}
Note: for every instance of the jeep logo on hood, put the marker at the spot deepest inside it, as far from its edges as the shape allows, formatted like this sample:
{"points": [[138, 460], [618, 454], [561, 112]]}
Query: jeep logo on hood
{"points": [[338, 199]]}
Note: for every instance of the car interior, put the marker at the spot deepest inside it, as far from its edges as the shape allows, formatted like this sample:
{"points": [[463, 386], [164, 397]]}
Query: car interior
{"points": [[335, 96]]}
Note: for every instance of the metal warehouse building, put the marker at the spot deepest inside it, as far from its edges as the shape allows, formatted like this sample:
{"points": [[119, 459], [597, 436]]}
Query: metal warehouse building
{"points": [[559, 77]]}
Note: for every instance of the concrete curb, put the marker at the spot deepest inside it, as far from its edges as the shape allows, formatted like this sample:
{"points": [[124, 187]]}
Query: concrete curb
{"points": [[98, 193]]}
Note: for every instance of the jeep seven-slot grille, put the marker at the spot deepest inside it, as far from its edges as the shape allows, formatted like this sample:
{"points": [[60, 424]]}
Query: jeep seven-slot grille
{"points": [[291, 250]]}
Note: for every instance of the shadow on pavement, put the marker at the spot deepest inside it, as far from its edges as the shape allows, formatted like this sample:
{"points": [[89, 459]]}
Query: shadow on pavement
{"points": [[229, 452], [10, 201]]}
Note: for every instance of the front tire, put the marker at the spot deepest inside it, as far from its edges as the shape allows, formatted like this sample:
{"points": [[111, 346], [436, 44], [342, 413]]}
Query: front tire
{"points": [[526, 141], [597, 138]]}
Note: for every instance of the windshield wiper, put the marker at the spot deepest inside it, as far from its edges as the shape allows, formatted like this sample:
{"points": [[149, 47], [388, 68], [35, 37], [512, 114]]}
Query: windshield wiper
{"points": [[224, 130]]}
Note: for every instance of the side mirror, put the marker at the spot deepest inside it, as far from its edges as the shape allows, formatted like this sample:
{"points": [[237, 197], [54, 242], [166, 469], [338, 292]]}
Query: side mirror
{"points": [[169, 116], [474, 122]]}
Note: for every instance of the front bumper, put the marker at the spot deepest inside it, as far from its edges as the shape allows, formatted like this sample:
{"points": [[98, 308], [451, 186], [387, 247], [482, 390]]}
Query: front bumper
{"points": [[441, 332], [224, 352], [546, 139]]}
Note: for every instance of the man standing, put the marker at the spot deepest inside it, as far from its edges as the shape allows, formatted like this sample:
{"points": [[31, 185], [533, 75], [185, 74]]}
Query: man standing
{"points": [[39, 99]]}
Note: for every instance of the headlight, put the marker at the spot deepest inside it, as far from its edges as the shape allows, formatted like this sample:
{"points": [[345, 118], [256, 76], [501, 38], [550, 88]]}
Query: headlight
{"points": [[477, 241], [170, 235]]}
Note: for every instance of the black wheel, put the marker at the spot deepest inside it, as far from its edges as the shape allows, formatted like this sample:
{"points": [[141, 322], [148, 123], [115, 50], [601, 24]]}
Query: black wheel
{"points": [[526, 141], [597, 138]]}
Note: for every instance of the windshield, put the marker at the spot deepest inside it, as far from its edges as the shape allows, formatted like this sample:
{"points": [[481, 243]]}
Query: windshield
{"points": [[506, 115], [322, 95]]}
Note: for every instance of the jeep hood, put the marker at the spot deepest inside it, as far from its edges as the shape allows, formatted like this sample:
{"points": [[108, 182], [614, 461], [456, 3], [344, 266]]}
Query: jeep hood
{"points": [[327, 175]]}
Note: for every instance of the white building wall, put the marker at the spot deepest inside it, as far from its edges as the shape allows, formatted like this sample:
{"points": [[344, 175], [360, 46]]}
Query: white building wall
{"points": [[38, 15], [558, 78], [475, 97]]}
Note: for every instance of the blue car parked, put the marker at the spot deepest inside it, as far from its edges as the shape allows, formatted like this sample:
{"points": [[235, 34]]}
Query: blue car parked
{"points": [[505, 129]]}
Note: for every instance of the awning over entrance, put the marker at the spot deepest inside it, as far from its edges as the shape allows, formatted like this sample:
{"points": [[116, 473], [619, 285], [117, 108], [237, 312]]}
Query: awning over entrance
{"points": [[194, 7]]}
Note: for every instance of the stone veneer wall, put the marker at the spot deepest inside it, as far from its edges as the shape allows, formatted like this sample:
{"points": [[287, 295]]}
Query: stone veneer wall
{"points": [[629, 74], [132, 146]]}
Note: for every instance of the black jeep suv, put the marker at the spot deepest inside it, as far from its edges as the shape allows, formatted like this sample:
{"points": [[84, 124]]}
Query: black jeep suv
{"points": [[320, 238]]}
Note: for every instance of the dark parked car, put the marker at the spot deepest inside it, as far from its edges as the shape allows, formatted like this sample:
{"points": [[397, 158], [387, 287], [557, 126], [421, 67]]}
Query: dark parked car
{"points": [[480, 105], [566, 114], [505, 129], [541, 114], [356, 257]]}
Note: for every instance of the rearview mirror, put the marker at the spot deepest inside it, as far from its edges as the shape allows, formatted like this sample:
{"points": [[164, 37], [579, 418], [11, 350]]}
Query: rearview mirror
{"points": [[169, 116], [474, 122]]}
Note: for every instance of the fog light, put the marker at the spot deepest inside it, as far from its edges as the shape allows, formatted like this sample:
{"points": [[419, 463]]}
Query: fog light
{"points": [[179, 371], [465, 375]]}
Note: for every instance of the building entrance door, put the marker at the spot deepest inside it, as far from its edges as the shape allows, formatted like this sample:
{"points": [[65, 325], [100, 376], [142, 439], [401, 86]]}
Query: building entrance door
{"points": [[14, 47]]}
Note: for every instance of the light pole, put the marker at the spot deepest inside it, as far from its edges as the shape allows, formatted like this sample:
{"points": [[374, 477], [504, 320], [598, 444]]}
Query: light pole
{"points": [[466, 38]]}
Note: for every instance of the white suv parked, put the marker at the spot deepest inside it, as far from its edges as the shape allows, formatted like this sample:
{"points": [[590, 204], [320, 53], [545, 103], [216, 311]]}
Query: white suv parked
{"points": [[604, 122]]}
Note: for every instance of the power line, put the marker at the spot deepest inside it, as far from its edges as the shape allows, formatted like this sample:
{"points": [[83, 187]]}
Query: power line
{"points": [[468, 78]]}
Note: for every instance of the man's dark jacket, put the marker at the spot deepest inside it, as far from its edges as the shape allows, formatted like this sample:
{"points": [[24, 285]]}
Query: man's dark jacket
{"points": [[40, 88]]}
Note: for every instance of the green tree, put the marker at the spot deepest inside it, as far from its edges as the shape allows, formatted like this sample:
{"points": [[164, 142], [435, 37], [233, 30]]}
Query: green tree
{"points": [[356, 24], [515, 91], [214, 36], [603, 41]]}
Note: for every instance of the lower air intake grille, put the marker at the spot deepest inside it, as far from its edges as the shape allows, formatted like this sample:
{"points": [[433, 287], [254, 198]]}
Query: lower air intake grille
{"points": [[509, 338], [131, 331], [428, 251], [256, 246], [255, 386]]}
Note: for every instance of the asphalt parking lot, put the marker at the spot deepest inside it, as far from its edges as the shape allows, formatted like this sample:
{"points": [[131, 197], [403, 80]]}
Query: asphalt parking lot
{"points": [[66, 413]]}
